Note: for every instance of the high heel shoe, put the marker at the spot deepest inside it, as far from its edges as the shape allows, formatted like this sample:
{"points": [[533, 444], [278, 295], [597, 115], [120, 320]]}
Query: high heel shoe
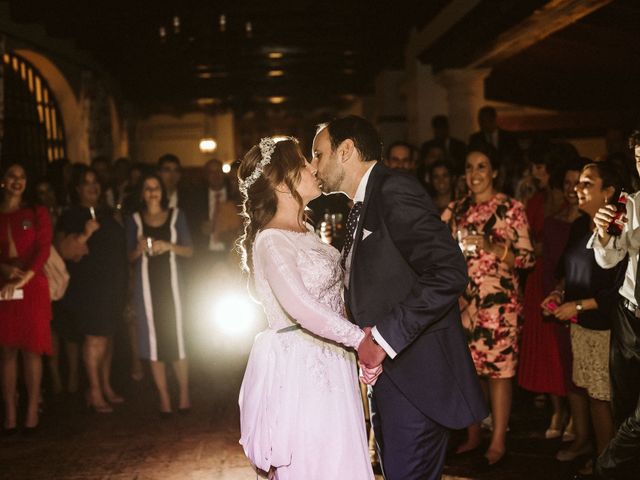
{"points": [[9, 431], [552, 433], [97, 408], [116, 399]]}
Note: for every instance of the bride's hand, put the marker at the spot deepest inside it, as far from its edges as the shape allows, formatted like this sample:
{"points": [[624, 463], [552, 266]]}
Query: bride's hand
{"points": [[369, 376]]}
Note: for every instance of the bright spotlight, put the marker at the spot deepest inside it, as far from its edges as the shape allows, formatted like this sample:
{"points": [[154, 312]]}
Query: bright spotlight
{"points": [[234, 315], [226, 168], [208, 145]]}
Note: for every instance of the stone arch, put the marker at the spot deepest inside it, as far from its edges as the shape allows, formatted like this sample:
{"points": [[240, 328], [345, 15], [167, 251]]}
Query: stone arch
{"points": [[68, 104]]}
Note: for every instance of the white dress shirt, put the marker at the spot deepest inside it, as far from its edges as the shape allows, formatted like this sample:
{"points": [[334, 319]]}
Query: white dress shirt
{"points": [[609, 255], [173, 199], [359, 197]]}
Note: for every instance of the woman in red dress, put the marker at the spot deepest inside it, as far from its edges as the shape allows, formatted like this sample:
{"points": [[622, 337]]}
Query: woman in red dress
{"points": [[25, 307]]}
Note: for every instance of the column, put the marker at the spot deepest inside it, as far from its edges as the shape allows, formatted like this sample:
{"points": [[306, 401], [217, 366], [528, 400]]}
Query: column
{"points": [[465, 96]]}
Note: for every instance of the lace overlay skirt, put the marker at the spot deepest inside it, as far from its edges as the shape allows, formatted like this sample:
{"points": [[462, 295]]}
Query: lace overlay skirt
{"points": [[591, 361], [301, 410]]}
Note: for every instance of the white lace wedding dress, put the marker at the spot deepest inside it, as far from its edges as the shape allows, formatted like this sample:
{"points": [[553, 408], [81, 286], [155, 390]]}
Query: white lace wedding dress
{"points": [[300, 404]]}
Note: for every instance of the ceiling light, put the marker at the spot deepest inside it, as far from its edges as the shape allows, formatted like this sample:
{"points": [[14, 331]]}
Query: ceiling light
{"points": [[277, 100], [226, 167], [203, 102], [176, 24], [275, 55], [222, 22], [208, 145], [275, 73]]}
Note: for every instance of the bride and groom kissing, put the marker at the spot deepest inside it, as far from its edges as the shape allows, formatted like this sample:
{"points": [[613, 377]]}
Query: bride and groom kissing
{"points": [[391, 296]]}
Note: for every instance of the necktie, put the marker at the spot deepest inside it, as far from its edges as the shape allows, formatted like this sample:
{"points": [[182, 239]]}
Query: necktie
{"points": [[352, 223]]}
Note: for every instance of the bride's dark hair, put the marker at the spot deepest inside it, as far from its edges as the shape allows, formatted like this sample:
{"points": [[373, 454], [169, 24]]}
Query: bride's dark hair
{"points": [[259, 202]]}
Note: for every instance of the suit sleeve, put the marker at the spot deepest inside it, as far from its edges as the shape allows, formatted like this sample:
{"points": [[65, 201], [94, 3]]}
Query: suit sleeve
{"points": [[426, 244]]}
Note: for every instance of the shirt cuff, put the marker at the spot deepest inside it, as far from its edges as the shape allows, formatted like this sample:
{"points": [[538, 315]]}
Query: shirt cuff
{"points": [[383, 343]]}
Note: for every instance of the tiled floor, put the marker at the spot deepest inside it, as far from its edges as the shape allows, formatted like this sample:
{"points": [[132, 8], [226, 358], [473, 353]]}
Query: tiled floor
{"points": [[133, 443]]}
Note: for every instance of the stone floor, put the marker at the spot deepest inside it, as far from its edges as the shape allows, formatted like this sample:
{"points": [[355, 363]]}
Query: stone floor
{"points": [[133, 443]]}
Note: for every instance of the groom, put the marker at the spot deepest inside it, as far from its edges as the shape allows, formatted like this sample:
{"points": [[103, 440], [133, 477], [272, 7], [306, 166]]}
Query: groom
{"points": [[403, 276]]}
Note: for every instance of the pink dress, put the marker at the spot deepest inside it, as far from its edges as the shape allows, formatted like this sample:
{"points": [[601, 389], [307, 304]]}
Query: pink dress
{"points": [[300, 405], [491, 304]]}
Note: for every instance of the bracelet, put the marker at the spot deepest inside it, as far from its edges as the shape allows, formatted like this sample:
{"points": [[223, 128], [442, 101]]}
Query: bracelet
{"points": [[559, 292], [504, 255]]}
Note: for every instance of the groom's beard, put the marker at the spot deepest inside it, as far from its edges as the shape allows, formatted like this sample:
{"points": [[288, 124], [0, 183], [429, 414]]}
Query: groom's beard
{"points": [[332, 183]]}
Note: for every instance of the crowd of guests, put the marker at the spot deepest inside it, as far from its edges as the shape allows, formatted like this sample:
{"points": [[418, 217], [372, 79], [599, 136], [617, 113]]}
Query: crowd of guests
{"points": [[540, 306], [538, 310], [133, 240]]}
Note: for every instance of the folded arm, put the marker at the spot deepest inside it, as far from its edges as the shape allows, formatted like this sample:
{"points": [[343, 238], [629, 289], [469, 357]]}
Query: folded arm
{"points": [[277, 254]]}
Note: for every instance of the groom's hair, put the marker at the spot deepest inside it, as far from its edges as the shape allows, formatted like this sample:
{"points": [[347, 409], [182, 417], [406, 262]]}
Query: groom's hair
{"points": [[364, 136]]}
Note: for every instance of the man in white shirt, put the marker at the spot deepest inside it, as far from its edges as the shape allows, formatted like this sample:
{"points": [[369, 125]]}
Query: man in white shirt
{"points": [[623, 452]]}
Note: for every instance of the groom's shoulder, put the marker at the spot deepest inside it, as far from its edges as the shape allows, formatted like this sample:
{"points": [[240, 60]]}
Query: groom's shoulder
{"points": [[394, 180]]}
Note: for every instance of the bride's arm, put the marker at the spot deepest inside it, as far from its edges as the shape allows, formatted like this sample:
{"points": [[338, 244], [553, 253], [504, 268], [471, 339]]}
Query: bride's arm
{"points": [[277, 255]]}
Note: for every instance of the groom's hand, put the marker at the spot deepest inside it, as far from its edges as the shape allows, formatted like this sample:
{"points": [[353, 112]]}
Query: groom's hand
{"points": [[369, 352]]}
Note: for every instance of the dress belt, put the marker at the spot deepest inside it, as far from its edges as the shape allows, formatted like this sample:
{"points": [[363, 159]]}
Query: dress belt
{"points": [[290, 328], [632, 307]]}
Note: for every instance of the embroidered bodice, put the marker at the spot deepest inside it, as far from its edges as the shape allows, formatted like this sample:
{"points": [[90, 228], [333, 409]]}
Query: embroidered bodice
{"points": [[298, 280]]}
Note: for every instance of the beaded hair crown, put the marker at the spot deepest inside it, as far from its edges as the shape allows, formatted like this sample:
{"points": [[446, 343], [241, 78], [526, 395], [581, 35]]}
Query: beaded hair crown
{"points": [[267, 147]]}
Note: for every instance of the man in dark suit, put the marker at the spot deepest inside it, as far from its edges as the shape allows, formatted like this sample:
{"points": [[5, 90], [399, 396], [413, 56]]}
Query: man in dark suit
{"points": [[404, 274], [504, 142], [455, 151]]}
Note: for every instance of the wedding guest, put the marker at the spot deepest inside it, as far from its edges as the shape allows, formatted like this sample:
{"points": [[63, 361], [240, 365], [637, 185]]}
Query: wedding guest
{"points": [[442, 185], [541, 367], [170, 171], [156, 236], [102, 167], [93, 243], [62, 330], [621, 454], [493, 231], [25, 308], [454, 150], [585, 297], [401, 156]]}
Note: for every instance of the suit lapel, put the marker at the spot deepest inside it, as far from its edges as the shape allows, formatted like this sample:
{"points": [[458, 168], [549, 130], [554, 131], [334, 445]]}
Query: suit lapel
{"points": [[374, 177]]}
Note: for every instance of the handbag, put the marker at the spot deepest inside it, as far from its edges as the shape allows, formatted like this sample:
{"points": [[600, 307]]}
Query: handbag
{"points": [[56, 272]]}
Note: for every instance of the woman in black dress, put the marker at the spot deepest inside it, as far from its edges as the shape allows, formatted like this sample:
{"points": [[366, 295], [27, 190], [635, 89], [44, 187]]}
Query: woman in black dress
{"points": [[156, 237], [585, 298], [93, 243]]}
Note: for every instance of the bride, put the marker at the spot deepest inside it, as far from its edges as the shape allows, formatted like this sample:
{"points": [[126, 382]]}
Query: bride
{"points": [[301, 413]]}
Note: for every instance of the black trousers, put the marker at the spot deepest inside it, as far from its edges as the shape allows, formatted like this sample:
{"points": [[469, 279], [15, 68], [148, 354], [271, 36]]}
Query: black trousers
{"points": [[623, 452], [410, 445]]}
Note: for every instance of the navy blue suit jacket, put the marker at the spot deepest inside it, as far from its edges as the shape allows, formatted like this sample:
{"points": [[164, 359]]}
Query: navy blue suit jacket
{"points": [[406, 277]]}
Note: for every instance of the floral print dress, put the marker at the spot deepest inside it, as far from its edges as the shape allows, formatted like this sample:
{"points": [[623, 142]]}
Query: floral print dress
{"points": [[491, 305]]}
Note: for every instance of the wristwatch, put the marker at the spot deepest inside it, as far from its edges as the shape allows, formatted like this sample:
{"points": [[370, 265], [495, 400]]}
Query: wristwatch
{"points": [[579, 306]]}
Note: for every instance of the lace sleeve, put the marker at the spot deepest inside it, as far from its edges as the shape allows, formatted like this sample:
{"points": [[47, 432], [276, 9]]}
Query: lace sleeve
{"points": [[277, 254]]}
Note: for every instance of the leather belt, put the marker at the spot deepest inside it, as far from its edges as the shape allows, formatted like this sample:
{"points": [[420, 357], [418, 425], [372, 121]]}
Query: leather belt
{"points": [[632, 307]]}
